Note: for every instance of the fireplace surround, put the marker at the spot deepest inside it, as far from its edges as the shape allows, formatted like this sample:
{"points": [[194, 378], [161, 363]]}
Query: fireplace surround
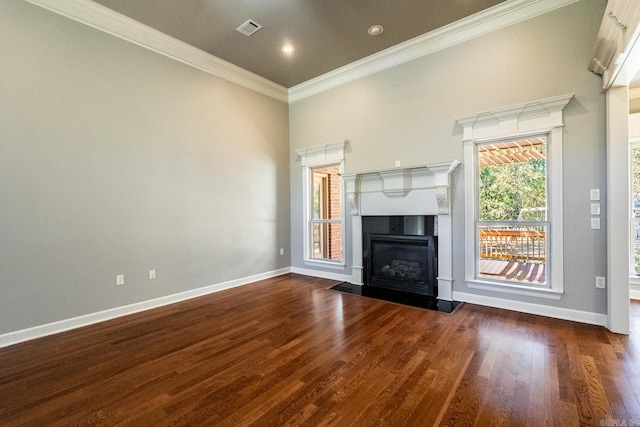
{"points": [[412, 191]]}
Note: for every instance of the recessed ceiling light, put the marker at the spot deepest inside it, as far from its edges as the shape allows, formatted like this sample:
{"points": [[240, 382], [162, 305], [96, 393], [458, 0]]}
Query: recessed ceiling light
{"points": [[376, 30], [288, 49]]}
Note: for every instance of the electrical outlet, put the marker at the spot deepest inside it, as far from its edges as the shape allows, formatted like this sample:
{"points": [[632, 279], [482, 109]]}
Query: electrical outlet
{"points": [[595, 194], [600, 282], [595, 208], [595, 223], [397, 163], [120, 280], [152, 274]]}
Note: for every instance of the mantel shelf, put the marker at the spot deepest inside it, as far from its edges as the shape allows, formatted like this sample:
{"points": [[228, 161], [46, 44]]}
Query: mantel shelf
{"points": [[434, 168]]}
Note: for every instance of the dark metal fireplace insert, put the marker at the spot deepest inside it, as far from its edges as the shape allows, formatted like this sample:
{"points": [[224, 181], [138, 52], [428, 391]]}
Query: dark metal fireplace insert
{"points": [[402, 263]]}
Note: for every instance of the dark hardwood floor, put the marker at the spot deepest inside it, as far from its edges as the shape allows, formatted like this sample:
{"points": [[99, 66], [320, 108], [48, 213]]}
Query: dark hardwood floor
{"points": [[288, 351]]}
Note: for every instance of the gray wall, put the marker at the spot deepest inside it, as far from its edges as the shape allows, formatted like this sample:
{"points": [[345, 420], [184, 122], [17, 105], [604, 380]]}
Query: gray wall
{"points": [[407, 113], [116, 160]]}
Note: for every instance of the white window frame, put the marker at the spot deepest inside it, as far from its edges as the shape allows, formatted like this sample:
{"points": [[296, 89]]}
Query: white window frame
{"points": [[319, 156], [517, 122]]}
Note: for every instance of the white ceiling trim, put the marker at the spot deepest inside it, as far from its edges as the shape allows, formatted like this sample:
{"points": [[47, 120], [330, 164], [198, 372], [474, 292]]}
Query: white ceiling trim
{"points": [[492, 19], [116, 24]]}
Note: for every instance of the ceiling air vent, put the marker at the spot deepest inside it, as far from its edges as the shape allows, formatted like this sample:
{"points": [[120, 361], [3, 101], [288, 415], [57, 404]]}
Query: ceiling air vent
{"points": [[249, 27]]}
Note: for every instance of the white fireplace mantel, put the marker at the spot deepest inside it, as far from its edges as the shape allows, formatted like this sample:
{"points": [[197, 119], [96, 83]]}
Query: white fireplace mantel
{"points": [[416, 190]]}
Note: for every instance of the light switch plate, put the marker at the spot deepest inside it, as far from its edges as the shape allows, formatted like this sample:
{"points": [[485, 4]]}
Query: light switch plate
{"points": [[595, 223], [595, 194], [595, 208]]}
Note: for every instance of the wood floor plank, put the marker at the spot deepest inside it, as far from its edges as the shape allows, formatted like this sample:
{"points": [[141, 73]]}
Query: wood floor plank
{"points": [[288, 351]]}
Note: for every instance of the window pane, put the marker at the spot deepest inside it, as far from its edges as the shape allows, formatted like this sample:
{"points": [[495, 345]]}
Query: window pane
{"points": [[513, 252], [326, 193], [326, 241], [512, 210], [319, 196], [512, 180], [635, 185], [636, 246], [325, 226]]}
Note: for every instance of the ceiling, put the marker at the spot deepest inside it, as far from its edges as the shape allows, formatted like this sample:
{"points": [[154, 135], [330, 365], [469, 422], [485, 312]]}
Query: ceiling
{"points": [[326, 34]]}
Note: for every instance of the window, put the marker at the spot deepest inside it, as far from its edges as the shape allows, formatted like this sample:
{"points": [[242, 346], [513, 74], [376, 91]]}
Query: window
{"points": [[635, 209], [513, 198], [323, 203], [511, 226], [326, 207]]}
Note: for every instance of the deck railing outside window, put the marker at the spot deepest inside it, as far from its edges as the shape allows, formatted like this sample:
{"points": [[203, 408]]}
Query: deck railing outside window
{"points": [[513, 242], [513, 252]]}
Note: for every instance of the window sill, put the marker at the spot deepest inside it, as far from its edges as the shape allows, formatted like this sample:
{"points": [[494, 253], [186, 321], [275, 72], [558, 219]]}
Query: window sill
{"points": [[529, 291], [336, 265]]}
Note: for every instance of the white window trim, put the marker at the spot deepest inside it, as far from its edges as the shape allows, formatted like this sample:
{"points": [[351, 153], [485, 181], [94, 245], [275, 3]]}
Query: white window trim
{"points": [[532, 118], [315, 157]]}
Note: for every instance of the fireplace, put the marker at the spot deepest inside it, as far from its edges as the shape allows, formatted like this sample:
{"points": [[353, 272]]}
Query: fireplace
{"points": [[402, 263], [416, 192]]}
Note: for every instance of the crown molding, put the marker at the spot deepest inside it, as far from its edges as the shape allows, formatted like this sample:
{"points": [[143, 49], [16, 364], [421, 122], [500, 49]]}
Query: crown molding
{"points": [[104, 19], [489, 20]]}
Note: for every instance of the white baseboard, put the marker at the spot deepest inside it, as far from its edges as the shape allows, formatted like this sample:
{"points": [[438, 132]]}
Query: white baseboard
{"points": [[89, 319], [322, 274], [541, 310]]}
